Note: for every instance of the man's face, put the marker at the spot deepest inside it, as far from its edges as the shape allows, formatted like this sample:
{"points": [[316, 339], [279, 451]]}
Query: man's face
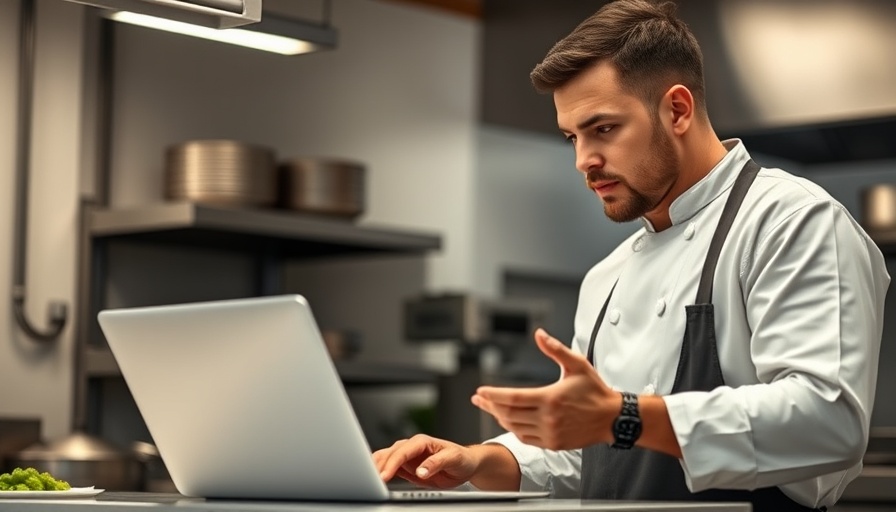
{"points": [[621, 147]]}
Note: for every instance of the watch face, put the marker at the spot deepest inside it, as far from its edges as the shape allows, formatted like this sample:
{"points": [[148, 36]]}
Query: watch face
{"points": [[627, 429]]}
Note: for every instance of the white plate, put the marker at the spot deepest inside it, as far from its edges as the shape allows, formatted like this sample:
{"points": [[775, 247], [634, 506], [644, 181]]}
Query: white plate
{"points": [[74, 492]]}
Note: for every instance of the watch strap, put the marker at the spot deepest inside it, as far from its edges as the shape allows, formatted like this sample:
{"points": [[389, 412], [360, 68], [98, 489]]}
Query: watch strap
{"points": [[627, 427], [630, 404]]}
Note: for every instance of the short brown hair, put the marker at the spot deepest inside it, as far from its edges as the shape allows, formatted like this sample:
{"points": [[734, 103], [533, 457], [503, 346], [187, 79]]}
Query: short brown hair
{"points": [[650, 47]]}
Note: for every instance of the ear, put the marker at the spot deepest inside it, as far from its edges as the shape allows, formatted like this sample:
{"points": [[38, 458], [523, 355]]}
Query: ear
{"points": [[679, 103]]}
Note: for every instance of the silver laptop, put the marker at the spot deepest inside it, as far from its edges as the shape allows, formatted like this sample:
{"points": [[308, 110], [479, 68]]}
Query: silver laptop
{"points": [[243, 401]]}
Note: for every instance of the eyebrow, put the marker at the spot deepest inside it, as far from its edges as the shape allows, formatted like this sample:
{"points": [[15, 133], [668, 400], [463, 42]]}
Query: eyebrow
{"points": [[589, 121]]}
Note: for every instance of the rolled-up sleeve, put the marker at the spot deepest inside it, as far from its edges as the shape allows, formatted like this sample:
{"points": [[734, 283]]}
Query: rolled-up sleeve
{"points": [[814, 291]]}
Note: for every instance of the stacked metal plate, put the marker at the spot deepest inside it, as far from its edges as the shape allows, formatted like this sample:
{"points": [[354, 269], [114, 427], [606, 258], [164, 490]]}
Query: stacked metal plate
{"points": [[325, 186], [224, 172]]}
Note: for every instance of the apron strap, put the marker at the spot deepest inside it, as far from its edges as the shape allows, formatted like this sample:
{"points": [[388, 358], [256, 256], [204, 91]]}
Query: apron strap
{"points": [[732, 205], [597, 324]]}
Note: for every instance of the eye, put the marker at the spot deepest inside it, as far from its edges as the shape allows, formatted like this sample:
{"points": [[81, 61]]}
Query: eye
{"points": [[605, 128], [571, 139]]}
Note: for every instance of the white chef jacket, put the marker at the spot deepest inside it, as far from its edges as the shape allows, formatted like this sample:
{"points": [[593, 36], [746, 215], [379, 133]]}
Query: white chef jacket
{"points": [[799, 295]]}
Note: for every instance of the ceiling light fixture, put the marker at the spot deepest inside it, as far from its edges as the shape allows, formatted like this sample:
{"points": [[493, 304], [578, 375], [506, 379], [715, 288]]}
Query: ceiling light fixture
{"points": [[238, 22], [272, 33], [207, 13]]}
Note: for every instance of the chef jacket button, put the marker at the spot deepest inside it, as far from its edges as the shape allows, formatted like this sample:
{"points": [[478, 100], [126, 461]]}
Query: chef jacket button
{"points": [[614, 316], [660, 307], [689, 231], [638, 244]]}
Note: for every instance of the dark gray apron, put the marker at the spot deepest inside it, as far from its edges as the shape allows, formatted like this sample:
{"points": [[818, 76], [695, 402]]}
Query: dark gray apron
{"points": [[640, 474]]}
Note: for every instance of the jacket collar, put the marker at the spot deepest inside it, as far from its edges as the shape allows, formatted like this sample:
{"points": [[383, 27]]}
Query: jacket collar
{"points": [[713, 185]]}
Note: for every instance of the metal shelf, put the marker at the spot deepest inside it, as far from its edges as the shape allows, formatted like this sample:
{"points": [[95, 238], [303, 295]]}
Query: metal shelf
{"points": [[269, 236], [292, 234], [99, 363]]}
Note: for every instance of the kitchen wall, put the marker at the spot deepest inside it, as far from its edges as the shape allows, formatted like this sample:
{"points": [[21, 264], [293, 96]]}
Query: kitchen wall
{"points": [[37, 379]]}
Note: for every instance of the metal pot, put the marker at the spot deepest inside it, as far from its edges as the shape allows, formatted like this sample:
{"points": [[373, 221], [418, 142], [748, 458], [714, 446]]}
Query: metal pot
{"points": [[323, 186], [222, 172], [85, 461], [879, 206]]}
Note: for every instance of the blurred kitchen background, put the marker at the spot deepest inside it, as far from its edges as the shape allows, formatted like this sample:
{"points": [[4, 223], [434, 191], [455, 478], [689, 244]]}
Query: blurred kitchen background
{"points": [[472, 224]]}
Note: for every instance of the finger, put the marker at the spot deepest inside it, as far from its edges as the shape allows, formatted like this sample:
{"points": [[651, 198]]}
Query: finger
{"points": [[532, 439], [523, 398], [445, 460], [410, 467], [490, 408], [516, 426], [409, 473], [569, 361], [410, 477], [510, 415], [431, 466], [380, 456], [500, 414], [522, 429], [402, 453], [482, 403]]}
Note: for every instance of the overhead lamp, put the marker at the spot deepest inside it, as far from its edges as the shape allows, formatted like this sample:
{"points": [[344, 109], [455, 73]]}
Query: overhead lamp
{"points": [[273, 34], [238, 22], [207, 13]]}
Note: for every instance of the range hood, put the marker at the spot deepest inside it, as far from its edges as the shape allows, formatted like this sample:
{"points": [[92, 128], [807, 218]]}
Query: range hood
{"points": [[216, 14], [808, 80]]}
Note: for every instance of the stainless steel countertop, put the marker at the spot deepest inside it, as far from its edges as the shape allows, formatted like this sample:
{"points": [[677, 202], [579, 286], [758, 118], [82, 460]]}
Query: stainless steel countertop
{"points": [[128, 502]]}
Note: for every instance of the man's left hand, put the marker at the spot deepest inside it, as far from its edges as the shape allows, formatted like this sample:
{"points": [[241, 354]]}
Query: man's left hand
{"points": [[576, 411]]}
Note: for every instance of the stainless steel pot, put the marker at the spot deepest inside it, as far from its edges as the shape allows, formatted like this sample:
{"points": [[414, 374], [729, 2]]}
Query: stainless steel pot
{"points": [[323, 186], [85, 461], [223, 172], [879, 206]]}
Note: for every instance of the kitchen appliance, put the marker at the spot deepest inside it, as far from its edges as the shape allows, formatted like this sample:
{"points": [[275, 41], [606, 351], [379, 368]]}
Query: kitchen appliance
{"points": [[323, 186], [471, 320], [222, 172]]}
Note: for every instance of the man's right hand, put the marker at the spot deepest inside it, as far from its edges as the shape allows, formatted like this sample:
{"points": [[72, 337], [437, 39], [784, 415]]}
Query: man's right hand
{"points": [[430, 462]]}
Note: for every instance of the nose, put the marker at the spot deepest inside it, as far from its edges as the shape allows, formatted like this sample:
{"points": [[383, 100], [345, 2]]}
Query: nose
{"points": [[588, 159]]}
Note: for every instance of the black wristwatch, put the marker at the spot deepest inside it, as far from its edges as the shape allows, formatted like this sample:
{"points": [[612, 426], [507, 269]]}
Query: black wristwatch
{"points": [[627, 427]]}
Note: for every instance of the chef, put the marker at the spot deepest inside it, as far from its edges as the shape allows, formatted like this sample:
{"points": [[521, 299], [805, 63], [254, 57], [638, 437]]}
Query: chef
{"points": [[727, 350]]}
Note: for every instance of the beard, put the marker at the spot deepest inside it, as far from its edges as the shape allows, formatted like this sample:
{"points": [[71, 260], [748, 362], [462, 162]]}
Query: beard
{"points": [[656, 173]]}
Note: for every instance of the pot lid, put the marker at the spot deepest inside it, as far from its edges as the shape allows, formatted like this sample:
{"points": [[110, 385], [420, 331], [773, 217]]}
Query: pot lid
{"points": [[77, 446]]}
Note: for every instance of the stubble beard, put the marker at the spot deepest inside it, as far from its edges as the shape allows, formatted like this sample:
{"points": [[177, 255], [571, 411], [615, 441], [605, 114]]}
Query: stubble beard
{"points": [[658, 169]]}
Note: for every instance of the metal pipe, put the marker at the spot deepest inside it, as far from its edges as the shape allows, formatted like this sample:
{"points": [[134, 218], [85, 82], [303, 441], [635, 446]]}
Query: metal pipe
{"points": [[91, 260], [57, 311]]}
